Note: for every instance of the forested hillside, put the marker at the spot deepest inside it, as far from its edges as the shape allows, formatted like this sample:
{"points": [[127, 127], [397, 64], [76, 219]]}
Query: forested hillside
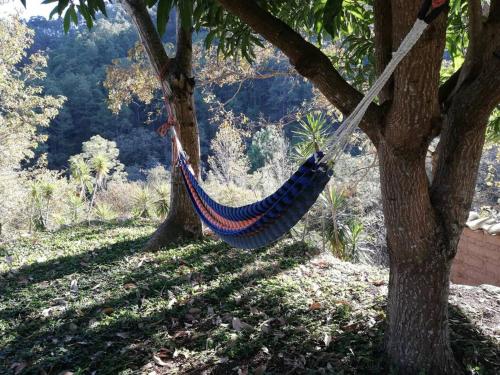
{"points": [[77, 64]]}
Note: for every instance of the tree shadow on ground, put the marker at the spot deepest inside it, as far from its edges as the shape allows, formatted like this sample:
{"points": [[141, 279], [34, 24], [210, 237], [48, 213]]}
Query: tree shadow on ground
{"points": [[112, 328], [173, 311], [478, 353]]}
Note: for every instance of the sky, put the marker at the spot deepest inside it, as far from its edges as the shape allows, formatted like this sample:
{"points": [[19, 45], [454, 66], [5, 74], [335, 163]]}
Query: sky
{"points": [[34, 8]]}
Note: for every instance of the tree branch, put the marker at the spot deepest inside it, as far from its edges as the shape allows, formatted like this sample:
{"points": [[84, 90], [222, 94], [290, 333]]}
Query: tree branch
{"points": [[475, 22], [474, 98], [148, 35], [184, 51], [307, 59]]}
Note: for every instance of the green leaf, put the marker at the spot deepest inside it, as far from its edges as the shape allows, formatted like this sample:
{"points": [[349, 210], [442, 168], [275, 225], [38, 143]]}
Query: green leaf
{"points": [[73, 15], [54, 11], [102, 7], [86, 15], [62, 5], [186, 12], [209, 38], [67, 21], [330, 13], [162, 14]]}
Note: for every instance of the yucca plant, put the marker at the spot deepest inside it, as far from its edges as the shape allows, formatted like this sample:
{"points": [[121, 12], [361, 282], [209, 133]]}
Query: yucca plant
{"points": [[312, 134], [104, 212], [162, 201], [75, 204], [80, 172], [36, 217], [142, 203], [41, 196], [100, 166], [48, 189], [334, 201]]}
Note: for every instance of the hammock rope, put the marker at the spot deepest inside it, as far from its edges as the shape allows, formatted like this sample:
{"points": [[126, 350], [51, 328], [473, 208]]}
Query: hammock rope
{"points": [[263, 222]]}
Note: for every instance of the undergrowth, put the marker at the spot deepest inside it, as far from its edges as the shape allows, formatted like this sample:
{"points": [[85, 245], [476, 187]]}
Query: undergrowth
{"points": [[89, 299]]}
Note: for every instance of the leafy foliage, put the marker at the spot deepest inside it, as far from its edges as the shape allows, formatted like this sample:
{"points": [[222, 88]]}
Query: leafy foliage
{"points": [[24, 110], [312, 133]]}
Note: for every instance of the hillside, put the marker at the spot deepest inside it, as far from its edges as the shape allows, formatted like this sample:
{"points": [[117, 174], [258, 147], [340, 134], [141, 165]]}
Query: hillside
{"points": [[88, 299]]}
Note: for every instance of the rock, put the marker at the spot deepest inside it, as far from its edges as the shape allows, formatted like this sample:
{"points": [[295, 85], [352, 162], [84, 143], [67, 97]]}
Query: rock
{"points": [[476, 224], [494, 229], [473, 215]]}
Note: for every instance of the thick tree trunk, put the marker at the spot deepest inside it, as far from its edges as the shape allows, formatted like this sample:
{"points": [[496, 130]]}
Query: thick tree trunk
{"points": [[178, 85], [417, 308]]}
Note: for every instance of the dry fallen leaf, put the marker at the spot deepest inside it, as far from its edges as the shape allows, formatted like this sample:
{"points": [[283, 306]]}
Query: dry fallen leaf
{"points": [[260, 370], [74, 286], [254, 311], [181, 334], [238, 325], [315, 306], [328, 339], [18, 367], [350, 327], [159, 361], [378, 282], [108, 310], [129, 286]]}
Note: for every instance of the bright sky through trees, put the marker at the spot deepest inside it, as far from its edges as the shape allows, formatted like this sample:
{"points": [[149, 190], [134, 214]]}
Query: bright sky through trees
{"points": [[35, 8]]}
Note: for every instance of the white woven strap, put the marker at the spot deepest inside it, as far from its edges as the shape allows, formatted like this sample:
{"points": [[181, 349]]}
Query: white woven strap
{"points": [[341, 136]]}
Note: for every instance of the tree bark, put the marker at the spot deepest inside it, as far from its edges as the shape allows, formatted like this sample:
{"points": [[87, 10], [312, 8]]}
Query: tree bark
{"points": [[417, 306], [177, 83]]}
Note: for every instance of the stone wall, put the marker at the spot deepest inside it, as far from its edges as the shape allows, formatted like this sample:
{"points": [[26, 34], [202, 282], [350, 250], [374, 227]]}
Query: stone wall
{"points": [[478, 259]]}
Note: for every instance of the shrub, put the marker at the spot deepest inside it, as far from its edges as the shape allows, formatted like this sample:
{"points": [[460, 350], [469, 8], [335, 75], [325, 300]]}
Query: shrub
{"points": [[104, 212], [143, 203]]}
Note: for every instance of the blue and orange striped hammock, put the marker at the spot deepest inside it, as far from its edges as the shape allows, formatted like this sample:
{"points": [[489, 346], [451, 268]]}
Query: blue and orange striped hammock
{"points": [[261, 223]]}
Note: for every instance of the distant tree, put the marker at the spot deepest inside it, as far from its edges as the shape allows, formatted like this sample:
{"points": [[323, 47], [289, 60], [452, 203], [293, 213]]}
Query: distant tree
{"points": [[97, 147], [24, 110], [94, 167], [229, 164]]}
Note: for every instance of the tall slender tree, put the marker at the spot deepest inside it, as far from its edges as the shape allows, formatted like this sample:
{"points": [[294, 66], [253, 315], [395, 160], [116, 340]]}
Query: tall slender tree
{"points": [[175, 75]]}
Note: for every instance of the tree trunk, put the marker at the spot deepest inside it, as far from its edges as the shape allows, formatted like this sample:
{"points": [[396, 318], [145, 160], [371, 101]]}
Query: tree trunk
{"points": [[182, 221], [417, 307], [178, 86]]}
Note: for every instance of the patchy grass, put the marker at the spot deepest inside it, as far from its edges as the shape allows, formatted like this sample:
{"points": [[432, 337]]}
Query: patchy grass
{"points": [[88, 299]]}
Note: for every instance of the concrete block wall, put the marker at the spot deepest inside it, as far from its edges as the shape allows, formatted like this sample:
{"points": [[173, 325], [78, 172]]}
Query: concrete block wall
{"points": [[478, 259]]}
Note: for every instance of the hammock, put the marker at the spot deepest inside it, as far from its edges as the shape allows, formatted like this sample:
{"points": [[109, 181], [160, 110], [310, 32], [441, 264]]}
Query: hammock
{"points": [[261, 223]]}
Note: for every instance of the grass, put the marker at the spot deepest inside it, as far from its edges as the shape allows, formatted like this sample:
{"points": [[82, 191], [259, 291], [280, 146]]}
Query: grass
{"points": [[88, 299]]}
